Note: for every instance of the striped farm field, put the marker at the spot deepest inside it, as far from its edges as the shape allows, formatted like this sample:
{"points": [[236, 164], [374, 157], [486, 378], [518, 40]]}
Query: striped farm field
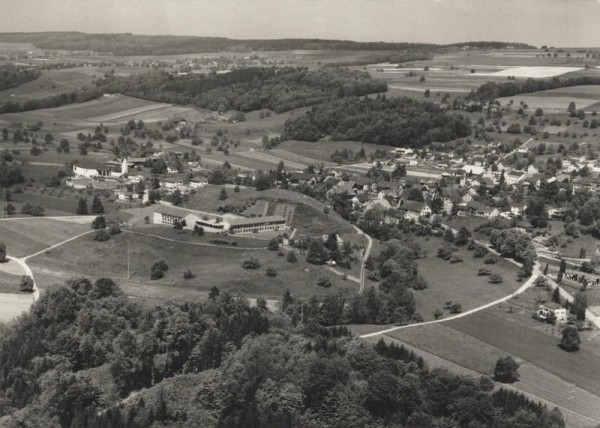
{"points": [[270, 158]]}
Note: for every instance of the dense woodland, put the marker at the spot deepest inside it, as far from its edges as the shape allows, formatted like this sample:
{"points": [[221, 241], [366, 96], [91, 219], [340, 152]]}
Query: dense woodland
{"points": [[130, 44], [277, 89], [12, 76], [84, 346], [401, 122], [491, 90]]}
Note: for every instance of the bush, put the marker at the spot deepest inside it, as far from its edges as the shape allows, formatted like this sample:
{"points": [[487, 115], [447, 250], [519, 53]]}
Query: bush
{"points": [[480, 251], [101, 236], [490, 259], [156, 272], [456, 258], [271, 272], [2, 252], [26, 284], [495, 278], [99, 222], [114, 229], [324, 282], [570, 339], [455, 308], [188, 274], [291, 257], [484, 272], [251, 263]]}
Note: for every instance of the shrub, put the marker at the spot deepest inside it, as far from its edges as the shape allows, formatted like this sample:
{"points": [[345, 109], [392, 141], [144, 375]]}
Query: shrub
{"points": [[495, 278], [114, 229], [99, 222], [156, 272], [480, 251], [291, 257], [101, 235], [251, 263], [2, 252], [484, 272], [188, 274], [271, 272], [438, 313], [455, 308], [456, 258], [570, 339], [490, 259], [26, 284], [324, 282]]}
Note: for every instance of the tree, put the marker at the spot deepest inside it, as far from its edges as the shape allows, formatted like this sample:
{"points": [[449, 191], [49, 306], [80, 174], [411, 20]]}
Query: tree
{"points": [[455, 308], [2, 252], [157, 271], [316, 253], [251, 263], [506, 370], [273, 244], [580, 305], [223, 194], [570, 341], [97, 207], [26, 284], [462, 237], [563, 266], [82, 208], [99, 222], [324, 282], [449, 235], [188, 274], [271, 272], [291, 257], [101, 235], [495, 278]]}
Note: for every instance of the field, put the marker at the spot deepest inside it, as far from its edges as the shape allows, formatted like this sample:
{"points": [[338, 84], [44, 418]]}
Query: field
{"points": [[459, 282], [212, 266], [9, 283], [27, 236], [444, 346]]}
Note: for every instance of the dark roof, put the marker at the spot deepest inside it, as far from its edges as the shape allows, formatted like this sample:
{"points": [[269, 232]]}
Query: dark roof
{"points": [[413, 206], [265, 219]]}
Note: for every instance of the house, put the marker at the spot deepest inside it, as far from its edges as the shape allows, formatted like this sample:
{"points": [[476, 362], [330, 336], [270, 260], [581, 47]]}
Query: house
{"points": [[197, 182], [518, 209], [451, 198], [557, 213], [414, 210], [359, 200], [550, 309], [514, 177], [473, 169]]}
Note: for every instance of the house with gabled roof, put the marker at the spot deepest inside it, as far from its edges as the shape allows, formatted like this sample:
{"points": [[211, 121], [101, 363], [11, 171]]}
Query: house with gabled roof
{"points": [[413, 210]]}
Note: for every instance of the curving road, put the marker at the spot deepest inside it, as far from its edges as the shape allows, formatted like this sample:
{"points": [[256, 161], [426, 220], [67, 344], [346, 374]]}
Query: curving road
{"points": [[365, 257], [536, 273]]}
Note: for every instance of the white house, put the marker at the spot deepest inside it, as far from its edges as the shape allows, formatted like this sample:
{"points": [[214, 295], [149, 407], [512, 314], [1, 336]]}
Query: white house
{"points": [[414, 210], [551, 308]]}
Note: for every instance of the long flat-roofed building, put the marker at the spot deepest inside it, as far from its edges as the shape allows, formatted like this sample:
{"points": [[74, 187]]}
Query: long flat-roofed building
{"points": [[168, 215]]}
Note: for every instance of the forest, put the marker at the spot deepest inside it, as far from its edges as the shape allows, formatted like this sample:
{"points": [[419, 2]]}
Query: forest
{"points": [[277, 89], [131, 44], [400, 122], [86, 355], [12, 76], [491, 90]]}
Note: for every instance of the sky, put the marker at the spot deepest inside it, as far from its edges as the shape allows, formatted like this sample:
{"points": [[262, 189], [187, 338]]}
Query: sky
{"points": [[566, 23]]}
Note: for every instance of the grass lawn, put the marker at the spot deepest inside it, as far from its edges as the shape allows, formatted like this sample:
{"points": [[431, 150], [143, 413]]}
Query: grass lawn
{"points": [[188, 236], [459, 281], [9, 283], [212, 266], [453, 345], [27, 236]]}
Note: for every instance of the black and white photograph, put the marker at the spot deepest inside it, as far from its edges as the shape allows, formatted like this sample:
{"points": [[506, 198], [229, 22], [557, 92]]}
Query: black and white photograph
{"points": [[299, 214]]}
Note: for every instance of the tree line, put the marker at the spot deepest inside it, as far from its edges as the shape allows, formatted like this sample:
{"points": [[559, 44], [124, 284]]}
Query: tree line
{"points": [[12, 76], [491, 90], [225, 363], [400, 122]]}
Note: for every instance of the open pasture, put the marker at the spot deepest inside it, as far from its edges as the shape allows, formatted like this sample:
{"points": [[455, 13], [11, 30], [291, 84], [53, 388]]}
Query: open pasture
{"points": [[529, 344], [554, 104], [533, 72], [459, 282], [27, 236], [9, 283], [212, 266]]}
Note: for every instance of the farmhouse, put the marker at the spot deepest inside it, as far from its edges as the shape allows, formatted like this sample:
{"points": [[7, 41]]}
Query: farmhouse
{"points": [[413, 210]]}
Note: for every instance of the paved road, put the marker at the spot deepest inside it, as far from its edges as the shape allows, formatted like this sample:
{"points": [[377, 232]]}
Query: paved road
{"points": [[365, 257]]}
